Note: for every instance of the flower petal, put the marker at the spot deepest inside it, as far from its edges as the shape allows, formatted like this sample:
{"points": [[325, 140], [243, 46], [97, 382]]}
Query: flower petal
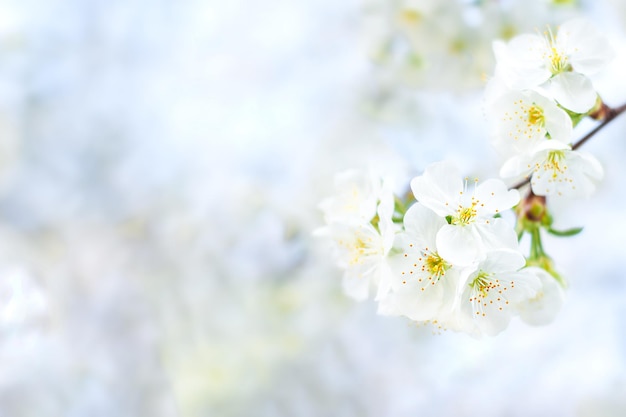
{"points": [[573, 91], [439, 184], [422, 225], [502, 260], [542, 308], [494, 197], [458, 244], [589, 51], [520, 63]]}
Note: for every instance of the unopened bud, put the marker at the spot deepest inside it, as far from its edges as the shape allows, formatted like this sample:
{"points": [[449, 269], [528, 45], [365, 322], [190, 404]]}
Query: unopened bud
{"points": [[533, 209], [600, 111]]}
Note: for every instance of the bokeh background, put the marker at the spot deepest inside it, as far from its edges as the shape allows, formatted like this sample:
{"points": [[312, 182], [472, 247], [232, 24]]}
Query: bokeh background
{"points": [[161, 163]]}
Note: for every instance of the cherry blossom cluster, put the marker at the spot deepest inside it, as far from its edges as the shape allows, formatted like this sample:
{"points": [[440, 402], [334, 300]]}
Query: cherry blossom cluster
{"points": [[540, 91], [449, 259], [447, 252]]}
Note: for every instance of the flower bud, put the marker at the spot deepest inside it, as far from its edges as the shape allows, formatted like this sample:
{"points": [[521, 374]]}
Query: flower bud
{"points": [[533, 210]]}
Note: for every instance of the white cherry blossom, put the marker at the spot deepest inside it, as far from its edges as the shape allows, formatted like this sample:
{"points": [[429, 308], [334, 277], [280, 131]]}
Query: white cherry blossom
{"points": [[424, 284], [556, 171], [361, 251], [556, 64], [472, 228], [360, 226], [491, 293], [356, 197], [525, 121]]}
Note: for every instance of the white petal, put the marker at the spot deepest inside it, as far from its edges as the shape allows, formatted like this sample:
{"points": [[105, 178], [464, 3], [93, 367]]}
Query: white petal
{"points": [[386, 200], [573, 91], [422, 225], [384, 283], [497, 322], [550, 145], [525, 286], [439, 184], [544, 306], [516, 166], [521, 63], [592, 167], [557, 121], [497, 234], [589, 50], [458, 244], [494, 197], [502, 260], [416, 304], [585, 171]]}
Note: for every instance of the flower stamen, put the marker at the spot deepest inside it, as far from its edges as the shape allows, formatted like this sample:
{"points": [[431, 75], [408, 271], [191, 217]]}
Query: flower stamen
{"points": [[436, 265], [536, 116]]}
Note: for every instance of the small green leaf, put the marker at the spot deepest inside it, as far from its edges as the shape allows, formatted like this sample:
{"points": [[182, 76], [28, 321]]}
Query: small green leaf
{"points": [[449, 219], [568, 232]]}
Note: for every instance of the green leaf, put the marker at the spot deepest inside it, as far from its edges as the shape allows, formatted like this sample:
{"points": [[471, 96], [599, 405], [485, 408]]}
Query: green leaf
{"points": [[568, 232]]}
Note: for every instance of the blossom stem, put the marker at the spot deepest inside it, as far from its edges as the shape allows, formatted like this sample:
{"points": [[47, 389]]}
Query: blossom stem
{"points": [[610, 114], [536, 247]]}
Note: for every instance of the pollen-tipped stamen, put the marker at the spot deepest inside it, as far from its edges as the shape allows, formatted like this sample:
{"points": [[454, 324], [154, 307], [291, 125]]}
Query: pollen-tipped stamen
{"points": [[436, 265]]}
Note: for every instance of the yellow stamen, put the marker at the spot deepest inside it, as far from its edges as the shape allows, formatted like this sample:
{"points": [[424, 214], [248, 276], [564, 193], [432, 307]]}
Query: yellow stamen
{"points": [[536, 116], [436, 265]]}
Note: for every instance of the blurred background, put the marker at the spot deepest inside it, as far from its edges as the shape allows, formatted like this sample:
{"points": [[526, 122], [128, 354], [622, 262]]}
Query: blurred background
{"points": [[161, 163]]}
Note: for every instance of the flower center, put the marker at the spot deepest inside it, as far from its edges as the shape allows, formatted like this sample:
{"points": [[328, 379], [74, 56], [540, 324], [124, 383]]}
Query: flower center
{"points": [[436, 265], [489, 293], [536, 116], [557, 60], [361, 247], [465, 215], [553, 163], [482, 284]]}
